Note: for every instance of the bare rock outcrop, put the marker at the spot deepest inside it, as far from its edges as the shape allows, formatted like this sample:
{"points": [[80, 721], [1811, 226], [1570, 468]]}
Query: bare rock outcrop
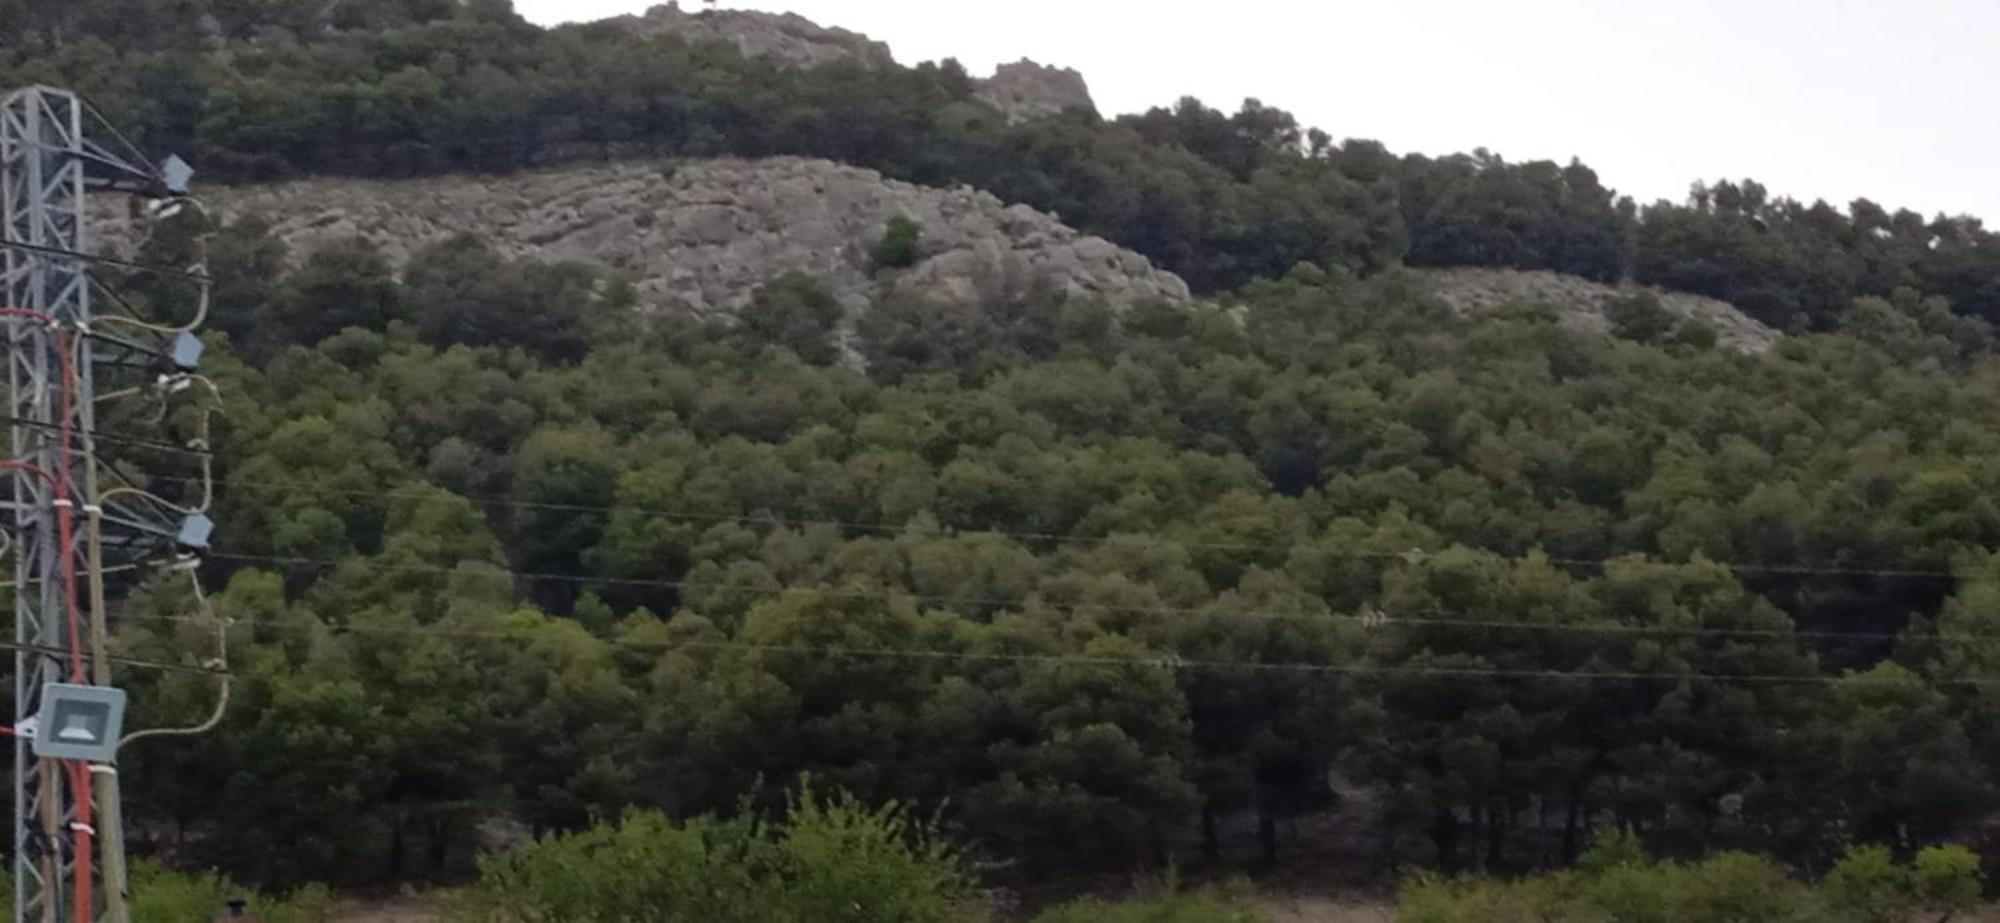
{"points": [[702, 236], [1021, 91], [1025, 91], [1584, 304], [785, 37]]}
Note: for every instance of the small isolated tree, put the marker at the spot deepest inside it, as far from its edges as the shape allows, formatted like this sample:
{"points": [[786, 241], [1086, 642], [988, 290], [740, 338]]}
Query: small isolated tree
{"points": [[1640, 318], [1946, 880], [1867, 886], [795, 312], [1696, 333], [898, 246]]}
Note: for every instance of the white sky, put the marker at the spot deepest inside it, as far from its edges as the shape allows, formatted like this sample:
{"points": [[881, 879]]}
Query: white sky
{"points": [[1895, 100]]}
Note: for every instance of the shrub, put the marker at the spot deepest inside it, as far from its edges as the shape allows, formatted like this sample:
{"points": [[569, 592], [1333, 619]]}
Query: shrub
{"points": [[1640, 317], [1697, 334], [1866, 886], [1736, 887], [796, 312], [1611, 850], [1946, 879], [832, 860], [898, 246], [161, 894], [841, 860], [1547, 899], [1634, 893]]}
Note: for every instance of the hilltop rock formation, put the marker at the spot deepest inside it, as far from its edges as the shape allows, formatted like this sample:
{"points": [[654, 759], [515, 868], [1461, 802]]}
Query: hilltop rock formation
{"points": [[702, 236], [784, 37], [1584, 305], [1021, 91], [1025, 91]]}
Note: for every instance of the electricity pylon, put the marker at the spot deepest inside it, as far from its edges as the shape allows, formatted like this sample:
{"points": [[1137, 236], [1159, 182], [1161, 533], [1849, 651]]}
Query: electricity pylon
{"points": [[54, 151]]}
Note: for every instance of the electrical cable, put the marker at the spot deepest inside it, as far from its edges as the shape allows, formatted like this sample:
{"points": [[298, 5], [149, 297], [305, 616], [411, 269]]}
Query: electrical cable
{"points": [[499, 574], [153, 268], [1163, 661], [1412, 555], [222, 678], [101, 436]]}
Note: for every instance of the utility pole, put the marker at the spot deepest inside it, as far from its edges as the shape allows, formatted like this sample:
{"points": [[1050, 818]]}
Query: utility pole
{"points": [[54, 151]]}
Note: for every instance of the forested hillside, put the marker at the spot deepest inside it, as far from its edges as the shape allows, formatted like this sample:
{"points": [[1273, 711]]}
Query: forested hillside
{"points": [[1098, 588], [1082, 580]]}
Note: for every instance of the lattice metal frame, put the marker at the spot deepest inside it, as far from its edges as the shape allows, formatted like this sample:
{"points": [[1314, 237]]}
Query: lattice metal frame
{"points": [[43, 168], [48, 165]]}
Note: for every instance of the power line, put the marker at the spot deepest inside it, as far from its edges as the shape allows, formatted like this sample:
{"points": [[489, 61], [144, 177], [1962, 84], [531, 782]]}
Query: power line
{"points": [[887, 594], [1411, 555], [114, 658], [102, 436], [104, 260], [1164, 661]]}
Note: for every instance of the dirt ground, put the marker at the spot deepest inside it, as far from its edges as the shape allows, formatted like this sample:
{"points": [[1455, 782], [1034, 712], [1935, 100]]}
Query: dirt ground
{"points": [[1323, 910], [391, 910]]}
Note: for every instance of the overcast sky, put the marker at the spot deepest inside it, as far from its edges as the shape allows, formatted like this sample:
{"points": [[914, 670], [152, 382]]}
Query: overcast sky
{"points": [[1834, 99]]}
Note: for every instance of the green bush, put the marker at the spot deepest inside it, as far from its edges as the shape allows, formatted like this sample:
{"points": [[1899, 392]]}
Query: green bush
{"points": [[1633, 893], [1697, 334], [1616, 883], [1866, 886], [1612, 850], [832, 860], [796, 312], [1547, 899], [1640, 317], [1736, 887], [898, 246], [167, 896], [1946, 879]]}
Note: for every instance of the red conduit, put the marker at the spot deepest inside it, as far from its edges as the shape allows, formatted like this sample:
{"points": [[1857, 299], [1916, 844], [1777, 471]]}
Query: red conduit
{"points": [[83, 903]]}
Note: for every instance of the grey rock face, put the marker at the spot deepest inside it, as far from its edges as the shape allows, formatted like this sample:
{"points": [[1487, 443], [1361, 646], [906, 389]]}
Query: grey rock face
{"points": [[787, 37], [1583, 303], [702, 236], [1021, 91], [1025, 91]]}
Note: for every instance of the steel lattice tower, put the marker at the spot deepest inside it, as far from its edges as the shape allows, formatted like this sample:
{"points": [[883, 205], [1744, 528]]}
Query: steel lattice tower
{"points": [[49, 162], [42, 160]]}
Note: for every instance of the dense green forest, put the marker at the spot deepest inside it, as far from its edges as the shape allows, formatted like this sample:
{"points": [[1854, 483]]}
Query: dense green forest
{"points": [[1096, 589], [1100, 587]]}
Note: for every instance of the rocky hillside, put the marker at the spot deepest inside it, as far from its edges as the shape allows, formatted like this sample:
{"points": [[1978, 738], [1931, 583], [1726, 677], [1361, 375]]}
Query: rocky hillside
{"points": [[701, 236], [1022, 90], [1025, 90], [784, 37], [1584, 304]]}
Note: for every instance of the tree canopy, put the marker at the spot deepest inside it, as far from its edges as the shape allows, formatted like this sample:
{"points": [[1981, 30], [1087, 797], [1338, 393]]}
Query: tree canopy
{"points": [[1089, 596]]}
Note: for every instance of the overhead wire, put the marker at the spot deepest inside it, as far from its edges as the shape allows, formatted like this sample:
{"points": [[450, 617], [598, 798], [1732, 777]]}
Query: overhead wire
{"points": [[101, 259], [500, 574], [196, 271], [1409, 555], [102, 436], [1162, 661], [221, 674]]}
